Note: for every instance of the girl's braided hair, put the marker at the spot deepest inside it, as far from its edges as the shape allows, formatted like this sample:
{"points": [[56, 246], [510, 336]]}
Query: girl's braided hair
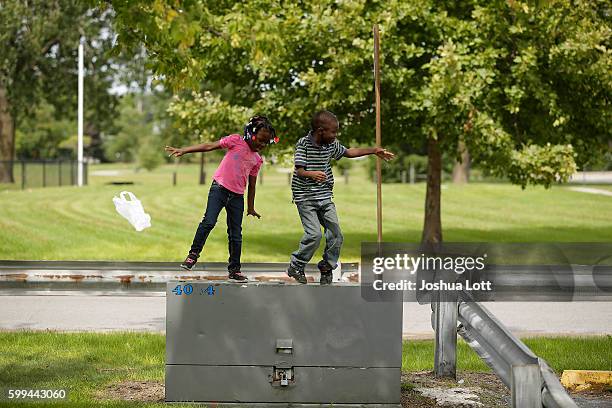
{"points": [[256, 123]]}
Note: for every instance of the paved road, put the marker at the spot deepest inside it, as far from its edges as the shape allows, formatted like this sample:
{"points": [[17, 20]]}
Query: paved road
{"points": [[591, 190], [85, 312]]}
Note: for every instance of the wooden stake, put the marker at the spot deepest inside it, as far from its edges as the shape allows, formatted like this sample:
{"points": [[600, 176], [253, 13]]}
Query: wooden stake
{"points": [[378, 134]]}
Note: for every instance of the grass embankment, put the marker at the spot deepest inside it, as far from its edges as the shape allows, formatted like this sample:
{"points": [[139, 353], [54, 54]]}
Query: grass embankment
{"points": [[69, 223]]}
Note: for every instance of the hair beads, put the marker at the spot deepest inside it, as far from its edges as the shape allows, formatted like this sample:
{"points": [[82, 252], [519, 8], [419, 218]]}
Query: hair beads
{"points": [[256, 123]]}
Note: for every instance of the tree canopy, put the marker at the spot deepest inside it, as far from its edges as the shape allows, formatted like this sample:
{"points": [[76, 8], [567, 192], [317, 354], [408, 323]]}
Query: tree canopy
{"points": [[38, 74], [524, 86]]}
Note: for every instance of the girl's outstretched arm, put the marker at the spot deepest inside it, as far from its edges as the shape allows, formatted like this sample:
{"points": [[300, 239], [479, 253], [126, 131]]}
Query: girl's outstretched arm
{"points": [[251, 197], [202, 147]]}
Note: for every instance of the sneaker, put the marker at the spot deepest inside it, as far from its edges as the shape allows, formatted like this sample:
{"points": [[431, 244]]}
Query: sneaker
{"points": [[189, 262], [326, 273], [326, 278], [296, 274], [237, 276]]}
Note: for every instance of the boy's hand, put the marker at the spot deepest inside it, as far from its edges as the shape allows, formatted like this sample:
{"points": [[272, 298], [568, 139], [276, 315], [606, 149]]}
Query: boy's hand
{"points": [[251, 211], [384, 154], [317, 176], [176, 152]]}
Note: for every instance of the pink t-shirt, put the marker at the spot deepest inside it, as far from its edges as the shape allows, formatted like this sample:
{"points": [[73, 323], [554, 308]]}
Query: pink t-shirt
{"points": [[237, 165]]}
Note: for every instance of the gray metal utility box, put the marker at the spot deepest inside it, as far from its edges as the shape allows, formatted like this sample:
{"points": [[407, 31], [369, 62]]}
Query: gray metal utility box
{"points": [[275, 344]]}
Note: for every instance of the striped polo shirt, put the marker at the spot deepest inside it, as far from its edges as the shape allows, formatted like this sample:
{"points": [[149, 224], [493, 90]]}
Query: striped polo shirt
{"points": [[314, 157]]}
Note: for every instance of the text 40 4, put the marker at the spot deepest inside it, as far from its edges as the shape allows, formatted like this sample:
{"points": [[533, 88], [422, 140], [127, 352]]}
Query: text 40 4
{"points": [[188, 290]]}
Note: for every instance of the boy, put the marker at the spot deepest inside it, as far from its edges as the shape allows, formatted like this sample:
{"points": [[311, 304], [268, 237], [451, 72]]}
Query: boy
{"points": [[311, 188]]}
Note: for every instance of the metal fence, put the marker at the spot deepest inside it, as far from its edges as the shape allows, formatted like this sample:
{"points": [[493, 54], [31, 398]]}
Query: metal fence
{"points": [[45, 173]]}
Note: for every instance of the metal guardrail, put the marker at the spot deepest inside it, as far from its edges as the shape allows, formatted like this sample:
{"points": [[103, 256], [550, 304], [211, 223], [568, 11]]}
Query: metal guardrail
{"points": [[502, 351], [544, 283], [531, 381], [19, 276]]}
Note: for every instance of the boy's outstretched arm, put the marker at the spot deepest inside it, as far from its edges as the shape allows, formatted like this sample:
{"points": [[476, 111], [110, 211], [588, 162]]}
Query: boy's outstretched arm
{"points": [[202, 147], [364, 151], [251, 197]]}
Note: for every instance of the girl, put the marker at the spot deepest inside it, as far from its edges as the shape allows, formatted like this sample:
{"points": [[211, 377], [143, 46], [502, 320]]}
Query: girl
{"points": [[241, 163]]}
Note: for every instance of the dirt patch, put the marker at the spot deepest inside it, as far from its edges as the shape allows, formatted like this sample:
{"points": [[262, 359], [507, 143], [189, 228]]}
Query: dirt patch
{"points": [[142, 391], [413, 399], [490, 391]]}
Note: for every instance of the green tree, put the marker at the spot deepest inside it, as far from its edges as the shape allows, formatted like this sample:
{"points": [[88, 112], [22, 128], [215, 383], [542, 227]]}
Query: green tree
{"points": [[205, 116], [39, 42], [525, 87], [141, 125], [41, 134]]}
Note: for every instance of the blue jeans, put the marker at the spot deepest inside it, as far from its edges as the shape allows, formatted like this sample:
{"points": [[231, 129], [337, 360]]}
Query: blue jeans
{"points": [[314, 215], [218, 198]]}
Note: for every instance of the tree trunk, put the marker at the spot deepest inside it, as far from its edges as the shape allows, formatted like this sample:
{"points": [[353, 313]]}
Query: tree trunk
{"points": [[7, 138], [202, 171], [96, 147], [432, 229], [461, 170]]}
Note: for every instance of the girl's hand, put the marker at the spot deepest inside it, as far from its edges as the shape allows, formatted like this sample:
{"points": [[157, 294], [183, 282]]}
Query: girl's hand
{"points": [[251, 211], [384, 154], [317, 176], [176, 152]]}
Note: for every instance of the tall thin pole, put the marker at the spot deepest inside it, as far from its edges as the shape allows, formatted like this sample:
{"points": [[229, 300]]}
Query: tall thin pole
{"points": [[80, 119], [378, 133]]}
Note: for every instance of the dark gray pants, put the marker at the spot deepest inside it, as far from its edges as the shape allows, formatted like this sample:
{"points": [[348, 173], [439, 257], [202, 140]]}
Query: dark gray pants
{"points": [[314, 215]]}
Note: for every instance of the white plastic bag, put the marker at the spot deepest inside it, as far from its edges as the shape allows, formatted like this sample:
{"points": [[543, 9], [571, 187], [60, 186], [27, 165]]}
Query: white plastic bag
{"points": [[132, 210]]}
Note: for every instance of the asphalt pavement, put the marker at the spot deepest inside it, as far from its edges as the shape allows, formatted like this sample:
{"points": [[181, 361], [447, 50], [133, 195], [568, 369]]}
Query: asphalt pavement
{"points": [[82, 311]]}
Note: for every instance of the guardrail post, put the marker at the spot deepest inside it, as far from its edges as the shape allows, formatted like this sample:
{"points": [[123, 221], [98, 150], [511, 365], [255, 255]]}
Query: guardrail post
{"points": [[526, 386], [445, 325]]}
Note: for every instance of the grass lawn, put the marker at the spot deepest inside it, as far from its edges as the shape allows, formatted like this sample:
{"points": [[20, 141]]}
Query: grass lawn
{"points": [[67, 223], [84, 363]]}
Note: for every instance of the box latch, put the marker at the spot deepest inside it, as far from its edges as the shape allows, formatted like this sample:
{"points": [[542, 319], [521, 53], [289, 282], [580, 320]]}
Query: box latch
{"points": [[282, 377]]}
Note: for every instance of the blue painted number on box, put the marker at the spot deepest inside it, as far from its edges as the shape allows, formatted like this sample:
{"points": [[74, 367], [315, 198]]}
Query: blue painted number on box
{"points": [[185, 289]]}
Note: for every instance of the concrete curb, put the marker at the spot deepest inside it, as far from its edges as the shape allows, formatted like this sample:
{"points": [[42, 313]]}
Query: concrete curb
{"points": [[583, 380]]}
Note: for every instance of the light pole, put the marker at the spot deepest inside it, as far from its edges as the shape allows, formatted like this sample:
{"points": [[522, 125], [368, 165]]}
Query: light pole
{"points": [[80, 118]]}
